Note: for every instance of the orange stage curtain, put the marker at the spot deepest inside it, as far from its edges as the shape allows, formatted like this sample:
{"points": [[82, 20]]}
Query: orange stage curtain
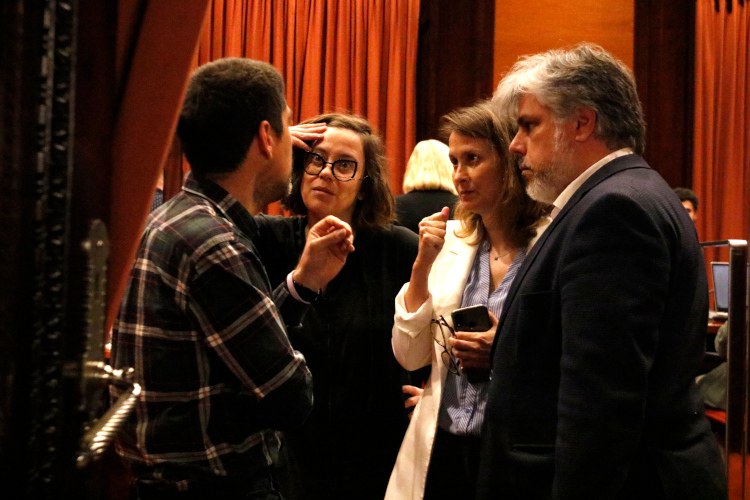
{"points": [[335, 55], [721, 175], [155, 46]]}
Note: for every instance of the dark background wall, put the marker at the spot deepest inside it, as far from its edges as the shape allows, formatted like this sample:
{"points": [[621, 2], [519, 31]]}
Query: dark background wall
{"points": [[454, 59], [457, 43], [664, 50]]}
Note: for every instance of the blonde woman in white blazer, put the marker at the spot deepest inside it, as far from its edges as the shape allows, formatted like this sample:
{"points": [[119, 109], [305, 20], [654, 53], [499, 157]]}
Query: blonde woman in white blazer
{"points": [[464, 262]]}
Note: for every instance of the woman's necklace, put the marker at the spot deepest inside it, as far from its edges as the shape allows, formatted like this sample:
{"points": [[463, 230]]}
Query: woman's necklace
{"points": [[497, 257]]}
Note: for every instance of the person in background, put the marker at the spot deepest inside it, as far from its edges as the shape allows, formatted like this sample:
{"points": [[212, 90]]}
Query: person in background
{"points": [[348, 445], [428, 186], [200, 324], [158, 193], [713, 385], [689, 200], [460, 263], [593, 392]]}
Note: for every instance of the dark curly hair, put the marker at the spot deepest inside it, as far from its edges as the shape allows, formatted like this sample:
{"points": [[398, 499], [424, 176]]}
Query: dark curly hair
{"points": [[376, 208]]}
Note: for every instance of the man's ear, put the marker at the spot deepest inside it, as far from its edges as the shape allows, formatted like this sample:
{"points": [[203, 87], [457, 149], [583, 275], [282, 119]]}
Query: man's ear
{"points": [[266, 140], [585, 123]]}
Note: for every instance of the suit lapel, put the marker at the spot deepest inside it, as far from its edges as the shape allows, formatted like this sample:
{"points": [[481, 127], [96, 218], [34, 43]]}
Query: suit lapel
{"points": [[617, 165]]}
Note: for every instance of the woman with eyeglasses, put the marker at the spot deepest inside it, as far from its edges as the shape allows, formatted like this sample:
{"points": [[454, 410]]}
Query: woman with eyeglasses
{"points": [[348, 445], [461, 263]]}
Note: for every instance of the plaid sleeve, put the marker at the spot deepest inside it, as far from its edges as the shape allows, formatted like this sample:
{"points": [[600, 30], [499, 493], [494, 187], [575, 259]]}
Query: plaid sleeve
{"points": [[231, 303]]}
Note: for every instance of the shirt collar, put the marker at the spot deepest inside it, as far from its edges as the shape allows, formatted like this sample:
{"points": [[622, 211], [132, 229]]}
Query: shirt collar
{"points": [[567, 193], [225, 204]]}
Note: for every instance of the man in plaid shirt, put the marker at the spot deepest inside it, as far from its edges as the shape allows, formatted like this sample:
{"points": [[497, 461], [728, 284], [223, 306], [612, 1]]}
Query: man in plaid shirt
{"points": [[200, 323]]}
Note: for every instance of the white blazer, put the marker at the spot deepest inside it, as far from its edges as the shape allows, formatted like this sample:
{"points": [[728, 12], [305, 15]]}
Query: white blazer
{"points": [[414, 347]]}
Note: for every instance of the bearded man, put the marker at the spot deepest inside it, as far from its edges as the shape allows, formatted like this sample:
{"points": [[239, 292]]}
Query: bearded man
{"points": [[592, 392]]}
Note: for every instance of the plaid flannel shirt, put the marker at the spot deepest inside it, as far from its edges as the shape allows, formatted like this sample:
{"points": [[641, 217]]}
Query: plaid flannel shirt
{"points": [[202, 328]]}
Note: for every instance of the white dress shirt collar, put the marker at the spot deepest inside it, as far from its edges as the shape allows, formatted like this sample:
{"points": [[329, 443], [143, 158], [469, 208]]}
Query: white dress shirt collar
{"points": [[567, 193]]}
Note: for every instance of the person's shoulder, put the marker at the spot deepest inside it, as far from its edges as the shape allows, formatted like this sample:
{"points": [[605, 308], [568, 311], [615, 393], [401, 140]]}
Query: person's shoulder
{"points": [[391, 236], [280, 226], [400, 234], [187, 227], [277, 221], [187, 217]]}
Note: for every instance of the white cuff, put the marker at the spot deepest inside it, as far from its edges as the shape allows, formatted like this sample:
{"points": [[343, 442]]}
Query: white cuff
{"points": [[292, 290]]}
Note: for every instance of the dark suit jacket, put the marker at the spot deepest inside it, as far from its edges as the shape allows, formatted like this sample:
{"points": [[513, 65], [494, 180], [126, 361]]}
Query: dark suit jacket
{"points": [[592, 392]]}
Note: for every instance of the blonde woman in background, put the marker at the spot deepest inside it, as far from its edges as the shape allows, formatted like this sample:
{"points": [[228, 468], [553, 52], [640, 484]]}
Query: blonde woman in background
{"points": [[428, 184]]}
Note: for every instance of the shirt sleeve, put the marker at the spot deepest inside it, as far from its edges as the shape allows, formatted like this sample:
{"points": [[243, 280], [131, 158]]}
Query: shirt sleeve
{"points": [[411, 336], [230, 301]]}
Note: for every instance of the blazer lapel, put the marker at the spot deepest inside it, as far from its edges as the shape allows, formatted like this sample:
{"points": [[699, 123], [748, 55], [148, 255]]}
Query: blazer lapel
{"points": [[451, 280]]}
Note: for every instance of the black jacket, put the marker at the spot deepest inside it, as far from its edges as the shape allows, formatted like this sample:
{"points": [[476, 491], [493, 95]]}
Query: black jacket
{"points": [[414, 206], [592, 392], [348, 445]]}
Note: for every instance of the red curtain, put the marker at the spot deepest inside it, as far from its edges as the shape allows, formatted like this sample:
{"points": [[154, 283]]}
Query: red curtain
{"points": [[721, 175], [155, 46], [335, 55]]}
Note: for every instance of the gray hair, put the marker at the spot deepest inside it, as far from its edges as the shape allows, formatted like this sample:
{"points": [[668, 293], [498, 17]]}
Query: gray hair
{"points": [[585, 76]]}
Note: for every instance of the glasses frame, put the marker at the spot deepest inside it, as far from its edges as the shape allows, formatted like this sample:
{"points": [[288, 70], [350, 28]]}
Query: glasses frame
{"points": [[450, 361], [310, 154]]}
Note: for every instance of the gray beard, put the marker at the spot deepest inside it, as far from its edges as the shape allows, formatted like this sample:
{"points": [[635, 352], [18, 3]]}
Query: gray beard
{"points": [[541, 189], [546, 186]]}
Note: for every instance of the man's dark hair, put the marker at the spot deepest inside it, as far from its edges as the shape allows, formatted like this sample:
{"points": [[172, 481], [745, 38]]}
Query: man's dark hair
{"points": [[685, 194], [226, 101]]}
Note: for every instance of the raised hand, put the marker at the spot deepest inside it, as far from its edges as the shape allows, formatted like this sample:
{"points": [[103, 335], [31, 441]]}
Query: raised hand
{"points": [[328, 243], [306, 132], [432, 236], [431, 239]]}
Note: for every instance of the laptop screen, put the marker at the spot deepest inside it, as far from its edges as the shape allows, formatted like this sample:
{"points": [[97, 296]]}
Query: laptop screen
{"points": [[720, 271]]}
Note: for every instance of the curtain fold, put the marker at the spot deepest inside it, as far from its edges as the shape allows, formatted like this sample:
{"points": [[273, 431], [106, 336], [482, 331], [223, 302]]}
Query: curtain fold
{"points": [[354, 56], [721, 173], [156, 45]]}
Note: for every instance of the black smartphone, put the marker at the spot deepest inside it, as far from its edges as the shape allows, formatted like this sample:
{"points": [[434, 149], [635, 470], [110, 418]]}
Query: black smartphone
{"points": [[471, 319]]}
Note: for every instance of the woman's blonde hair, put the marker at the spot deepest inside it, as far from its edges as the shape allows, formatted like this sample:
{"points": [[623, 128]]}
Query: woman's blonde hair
{"points": [[429, 168], [519, 214]]}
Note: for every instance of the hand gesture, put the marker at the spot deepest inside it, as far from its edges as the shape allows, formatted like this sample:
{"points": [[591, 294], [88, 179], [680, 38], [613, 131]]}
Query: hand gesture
{"points": [[307, 132], [416, 396], [432, 236], [431, 240], [328, 243], [473, 348]]}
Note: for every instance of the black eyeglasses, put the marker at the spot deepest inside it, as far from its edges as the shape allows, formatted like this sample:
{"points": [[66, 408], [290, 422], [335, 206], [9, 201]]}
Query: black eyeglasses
{"points": [[441, 335], [343, 170]]}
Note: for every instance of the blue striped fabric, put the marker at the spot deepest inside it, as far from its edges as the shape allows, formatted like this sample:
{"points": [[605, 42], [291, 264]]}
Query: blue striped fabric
{"points": [[463, 403]]}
